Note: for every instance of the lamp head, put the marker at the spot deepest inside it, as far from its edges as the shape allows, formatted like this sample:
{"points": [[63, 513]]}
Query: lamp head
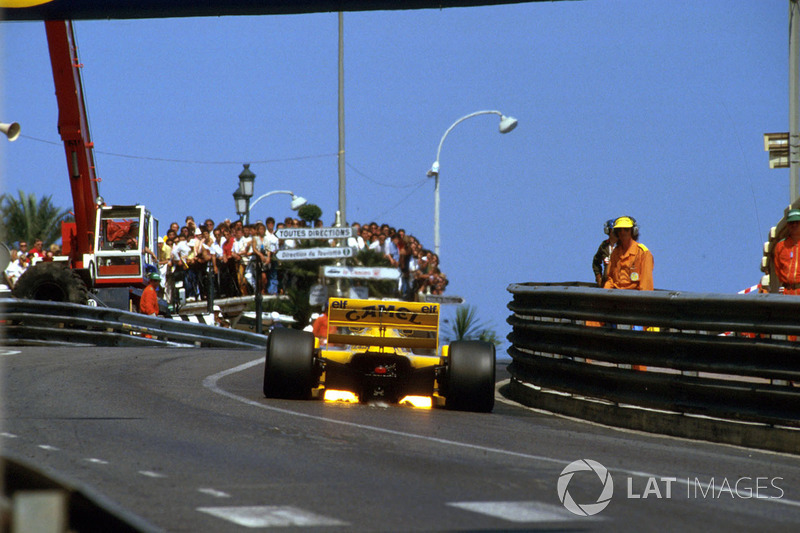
{"points": [[247, 181], [241, 201], [507, 124], [11, 130], [298, 202]]}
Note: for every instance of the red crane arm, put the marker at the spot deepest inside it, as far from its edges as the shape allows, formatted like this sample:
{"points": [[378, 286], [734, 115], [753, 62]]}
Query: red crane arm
{"points": [[73, 126]]}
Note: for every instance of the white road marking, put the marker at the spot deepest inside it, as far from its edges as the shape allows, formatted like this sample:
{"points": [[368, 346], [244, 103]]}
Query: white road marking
{"points": [[96, 461], [518, 511], [271, 516], [211, 383], [48, 448], [9, 352], [8, 435], [215, 493], [148, 473]]}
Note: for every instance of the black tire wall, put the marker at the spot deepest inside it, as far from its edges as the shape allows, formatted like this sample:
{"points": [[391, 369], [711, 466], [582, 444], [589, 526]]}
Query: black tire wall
{"points": [[53, 282]]}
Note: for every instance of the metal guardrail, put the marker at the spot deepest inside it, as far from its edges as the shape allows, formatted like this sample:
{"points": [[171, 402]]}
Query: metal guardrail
{"points": [[36, 500], [716, 367], [29, 322]]}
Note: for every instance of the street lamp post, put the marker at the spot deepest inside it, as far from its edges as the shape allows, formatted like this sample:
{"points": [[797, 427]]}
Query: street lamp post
{"points": [[507, 124], [242, 195], [245, 192]]}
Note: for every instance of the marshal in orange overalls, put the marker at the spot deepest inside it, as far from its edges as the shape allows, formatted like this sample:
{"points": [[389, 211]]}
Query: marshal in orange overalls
{"points": [[630, 269], [786, 257]]}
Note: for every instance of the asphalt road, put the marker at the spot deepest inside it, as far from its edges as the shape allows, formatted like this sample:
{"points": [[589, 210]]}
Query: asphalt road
{"points": [[185, 440]]}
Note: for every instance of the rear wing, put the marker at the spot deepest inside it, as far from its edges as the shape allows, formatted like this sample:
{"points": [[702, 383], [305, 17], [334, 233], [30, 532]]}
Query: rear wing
{"points": [[396, 323]]}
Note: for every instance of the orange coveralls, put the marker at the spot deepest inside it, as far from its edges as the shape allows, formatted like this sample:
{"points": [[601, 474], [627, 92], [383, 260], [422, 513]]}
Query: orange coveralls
{"points": [[786, 257], [630, 270], [149, 302]]}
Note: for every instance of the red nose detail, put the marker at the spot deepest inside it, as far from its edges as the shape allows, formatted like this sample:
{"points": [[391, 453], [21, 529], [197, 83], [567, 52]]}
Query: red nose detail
{"points": [[380, 369]]}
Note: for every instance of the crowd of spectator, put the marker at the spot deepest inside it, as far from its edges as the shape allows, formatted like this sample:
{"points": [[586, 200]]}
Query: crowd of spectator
{"points": [[418, 266], [231, 255], [23, 257]]}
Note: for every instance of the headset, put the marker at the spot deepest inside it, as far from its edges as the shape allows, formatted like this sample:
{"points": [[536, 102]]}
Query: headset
{"points": [[608, 225], [634, 229]]}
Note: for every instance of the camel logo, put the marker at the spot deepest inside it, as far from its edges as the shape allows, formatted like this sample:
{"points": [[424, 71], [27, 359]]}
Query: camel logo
{"points": [[585, 509]]}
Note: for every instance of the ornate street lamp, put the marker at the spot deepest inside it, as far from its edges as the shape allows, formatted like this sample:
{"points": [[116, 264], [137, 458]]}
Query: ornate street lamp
{"points": [[246, 186], [241, 202]]}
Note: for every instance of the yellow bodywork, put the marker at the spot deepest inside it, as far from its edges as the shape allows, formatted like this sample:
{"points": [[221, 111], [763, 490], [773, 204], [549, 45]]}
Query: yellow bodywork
{"points": [[389, 327]]}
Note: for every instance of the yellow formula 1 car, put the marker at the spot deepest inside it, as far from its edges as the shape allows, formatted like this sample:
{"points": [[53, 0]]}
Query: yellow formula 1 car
{"points": [[369, 358]]}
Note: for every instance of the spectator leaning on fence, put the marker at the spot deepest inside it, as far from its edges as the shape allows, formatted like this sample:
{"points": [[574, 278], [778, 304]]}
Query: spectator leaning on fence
{"points": [[786, 255], [631, 263], [16, 267]]}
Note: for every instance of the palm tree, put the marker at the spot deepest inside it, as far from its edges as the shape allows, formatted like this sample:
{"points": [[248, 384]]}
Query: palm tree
{"points": [[24, 218], [467, 327]]}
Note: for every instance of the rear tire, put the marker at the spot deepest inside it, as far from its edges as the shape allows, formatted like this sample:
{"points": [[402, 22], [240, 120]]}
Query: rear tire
{"points": [[289, 367], [53, 282], [470, 376]]}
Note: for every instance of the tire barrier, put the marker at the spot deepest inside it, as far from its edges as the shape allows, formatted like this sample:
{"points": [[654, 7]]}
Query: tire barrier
{"points": [[30, 322], [723, 368]]}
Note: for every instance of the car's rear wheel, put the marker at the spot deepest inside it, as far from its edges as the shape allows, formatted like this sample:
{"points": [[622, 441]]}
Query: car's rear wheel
{"points": [[289, 368], [470, 376]]}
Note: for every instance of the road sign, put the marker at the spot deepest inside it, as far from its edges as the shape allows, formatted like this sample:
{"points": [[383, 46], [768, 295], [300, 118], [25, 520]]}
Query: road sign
{"points": [[318, 295], [361, 272], [442, 299], [310, 254], [315, 233]]}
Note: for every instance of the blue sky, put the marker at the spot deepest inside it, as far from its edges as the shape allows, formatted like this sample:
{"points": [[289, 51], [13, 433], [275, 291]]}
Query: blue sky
{"points": [[640, 107]]}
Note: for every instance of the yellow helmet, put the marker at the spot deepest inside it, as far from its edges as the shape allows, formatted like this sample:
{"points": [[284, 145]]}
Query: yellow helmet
{"points": [[624, 222]]}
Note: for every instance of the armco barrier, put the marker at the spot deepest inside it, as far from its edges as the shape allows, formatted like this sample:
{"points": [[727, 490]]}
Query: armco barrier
{"points": [[37, 500], [724, 368], [26, 322]]}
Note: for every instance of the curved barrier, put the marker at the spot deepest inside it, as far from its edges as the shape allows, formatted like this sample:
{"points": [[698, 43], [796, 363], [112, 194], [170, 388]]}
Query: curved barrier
{"points": [[29, 322], [37, 500], [724, 368]]}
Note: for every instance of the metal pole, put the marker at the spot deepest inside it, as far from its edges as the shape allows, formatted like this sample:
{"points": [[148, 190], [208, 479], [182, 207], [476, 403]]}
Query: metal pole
{"points": [[342, 193], [210, 281], [434, 171], [794, 97], [436, 215], [259, 297]]}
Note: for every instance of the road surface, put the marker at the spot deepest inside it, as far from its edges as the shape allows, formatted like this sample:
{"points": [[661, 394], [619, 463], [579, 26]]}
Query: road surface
{"points": [[185, 440]]}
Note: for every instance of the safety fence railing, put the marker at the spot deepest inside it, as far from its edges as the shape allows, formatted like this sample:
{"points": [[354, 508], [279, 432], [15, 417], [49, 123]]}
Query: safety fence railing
{"points": [[724, 368], [28, 322], [34, 499]]}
